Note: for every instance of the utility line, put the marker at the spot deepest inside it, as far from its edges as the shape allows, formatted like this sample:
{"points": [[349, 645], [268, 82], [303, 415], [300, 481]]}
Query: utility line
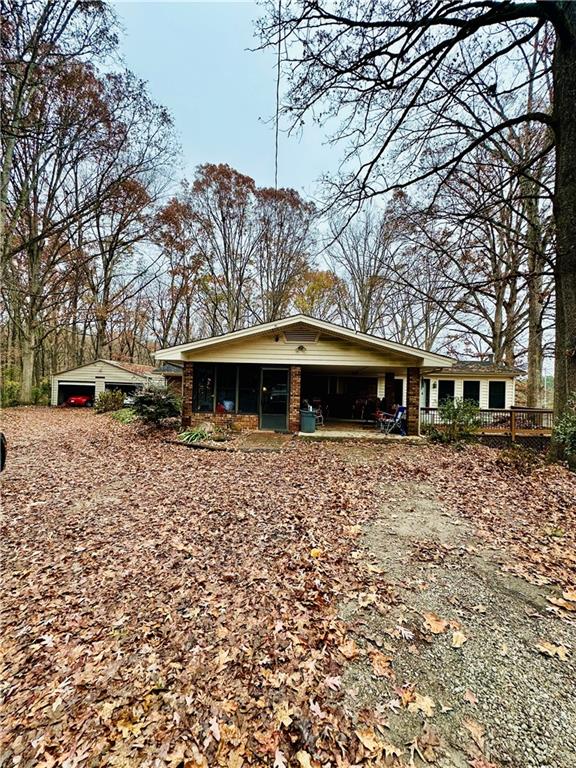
{"points": [[276, 141]]}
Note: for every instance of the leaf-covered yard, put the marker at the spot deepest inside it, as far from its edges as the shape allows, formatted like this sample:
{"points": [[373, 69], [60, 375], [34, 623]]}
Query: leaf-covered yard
{"points": [[323, 605]]}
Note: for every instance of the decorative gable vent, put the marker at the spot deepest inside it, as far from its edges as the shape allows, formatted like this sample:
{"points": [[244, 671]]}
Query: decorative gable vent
{"points": [[301, 335]]}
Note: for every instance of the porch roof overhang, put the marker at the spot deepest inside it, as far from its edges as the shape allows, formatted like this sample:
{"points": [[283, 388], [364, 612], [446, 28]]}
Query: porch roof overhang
{"points": [[396, 354]]}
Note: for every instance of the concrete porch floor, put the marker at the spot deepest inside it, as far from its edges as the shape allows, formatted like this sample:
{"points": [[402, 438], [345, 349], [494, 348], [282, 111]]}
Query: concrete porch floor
{"points": [[360, 434]]}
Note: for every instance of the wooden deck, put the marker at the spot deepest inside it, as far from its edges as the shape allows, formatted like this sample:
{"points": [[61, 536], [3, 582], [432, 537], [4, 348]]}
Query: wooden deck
{"points": [[515, 422]]}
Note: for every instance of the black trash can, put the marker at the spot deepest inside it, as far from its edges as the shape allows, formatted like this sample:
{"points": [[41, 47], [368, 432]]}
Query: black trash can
{"points": [[307, 421]]}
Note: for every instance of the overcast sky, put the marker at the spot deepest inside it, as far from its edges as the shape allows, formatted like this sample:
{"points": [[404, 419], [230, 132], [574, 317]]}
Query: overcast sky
{"points": [[195, 58]]}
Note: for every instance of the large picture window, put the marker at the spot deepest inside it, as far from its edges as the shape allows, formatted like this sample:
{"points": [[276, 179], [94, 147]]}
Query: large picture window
{"points": [[471, 391], [248, 388], [226, 388], [445, 390], [226, 377], [497, 394], [203, 387]]}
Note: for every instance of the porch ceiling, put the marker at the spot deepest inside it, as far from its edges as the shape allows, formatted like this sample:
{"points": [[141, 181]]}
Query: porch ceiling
{"points": [[342, 370]]}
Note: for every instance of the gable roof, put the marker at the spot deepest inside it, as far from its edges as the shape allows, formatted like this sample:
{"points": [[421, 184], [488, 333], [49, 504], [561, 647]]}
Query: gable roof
{"points": [[486, 367], [428, 358], [141, 370], [133, 368], [169, 369]]}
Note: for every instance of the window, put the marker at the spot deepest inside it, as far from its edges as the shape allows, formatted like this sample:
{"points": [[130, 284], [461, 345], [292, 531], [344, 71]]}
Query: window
{"points": [[226, 376], [497, 394], [445, 390], [203, 388], [226, 388], [248, 388], [472, 391]]}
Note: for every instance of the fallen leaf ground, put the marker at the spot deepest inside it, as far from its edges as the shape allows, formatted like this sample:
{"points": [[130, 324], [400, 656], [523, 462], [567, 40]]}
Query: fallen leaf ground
{"points": [[170, 607]]}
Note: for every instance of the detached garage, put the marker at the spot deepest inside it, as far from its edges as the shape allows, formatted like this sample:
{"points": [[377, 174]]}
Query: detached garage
{"points": [[92, 378]]}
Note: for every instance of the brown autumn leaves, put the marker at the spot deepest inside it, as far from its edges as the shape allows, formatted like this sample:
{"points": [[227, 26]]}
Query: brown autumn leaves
{"points": [[164, 607]]}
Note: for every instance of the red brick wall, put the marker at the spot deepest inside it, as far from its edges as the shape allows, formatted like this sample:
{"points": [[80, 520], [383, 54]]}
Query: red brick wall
{"points": [[187, 381], [413, 401], [238, 420], [225, 420], [295, 399]]}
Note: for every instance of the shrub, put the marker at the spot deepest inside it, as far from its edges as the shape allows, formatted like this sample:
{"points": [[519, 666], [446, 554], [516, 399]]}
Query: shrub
{"points": [[109, 400], [564, 434], [193, 435], [41, 393], [154, 404], [459, 421], [125, 416], [10, 393]]}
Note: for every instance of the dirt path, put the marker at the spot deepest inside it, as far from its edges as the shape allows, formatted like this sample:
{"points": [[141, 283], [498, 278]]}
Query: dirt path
{"points": [[495, 698]]}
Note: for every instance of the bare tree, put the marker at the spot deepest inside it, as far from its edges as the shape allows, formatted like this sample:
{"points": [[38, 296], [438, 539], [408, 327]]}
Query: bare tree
{"points": [[361, 255], [226, 240], [78, 187], [283, 250], [174, 295], [39, 38], [398, 72]]}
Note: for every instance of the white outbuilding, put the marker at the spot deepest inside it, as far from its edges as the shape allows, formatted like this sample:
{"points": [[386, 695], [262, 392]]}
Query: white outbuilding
{"points": [[93, 378]]}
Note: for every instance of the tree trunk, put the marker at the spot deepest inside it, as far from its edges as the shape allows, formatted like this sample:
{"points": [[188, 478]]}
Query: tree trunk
{"points": [[564, 69], [28, 359], [536, 264]]}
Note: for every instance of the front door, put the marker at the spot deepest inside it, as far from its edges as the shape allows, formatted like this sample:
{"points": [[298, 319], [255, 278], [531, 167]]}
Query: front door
{"points": [[274, 399]]}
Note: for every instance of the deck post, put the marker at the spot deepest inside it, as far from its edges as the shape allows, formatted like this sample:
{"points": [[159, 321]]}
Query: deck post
{"points": [[294, 399], [513, 424], [187, 383], [413, 401], [389, 393]]}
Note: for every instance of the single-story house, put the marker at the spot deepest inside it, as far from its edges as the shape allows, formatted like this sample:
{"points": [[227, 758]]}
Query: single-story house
{"points": [[93, 378], [258, 377]]}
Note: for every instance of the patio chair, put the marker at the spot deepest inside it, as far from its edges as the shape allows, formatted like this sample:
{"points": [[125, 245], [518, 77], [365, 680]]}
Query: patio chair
{"points": [[389, 422], [319, 417]]}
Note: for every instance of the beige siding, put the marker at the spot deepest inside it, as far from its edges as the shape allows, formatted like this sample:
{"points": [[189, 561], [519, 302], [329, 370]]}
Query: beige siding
{"points": [[98, 374], [325, 352], [484, 388]]}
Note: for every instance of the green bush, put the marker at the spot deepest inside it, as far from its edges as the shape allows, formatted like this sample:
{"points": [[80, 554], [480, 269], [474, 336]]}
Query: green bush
{"points": [[154, 404], [125, 416], [193, 435], [459, 420], [109, 400], [9, 393], [564, 434], [41, 393]]}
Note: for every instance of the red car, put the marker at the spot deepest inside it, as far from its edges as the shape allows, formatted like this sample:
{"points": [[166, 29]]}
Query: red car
{"points": [[78, 401]]}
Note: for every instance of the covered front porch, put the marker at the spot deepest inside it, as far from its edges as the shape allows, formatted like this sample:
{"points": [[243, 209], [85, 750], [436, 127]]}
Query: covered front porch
{"points": [[262, 377], [350, 399], [271, 397]]}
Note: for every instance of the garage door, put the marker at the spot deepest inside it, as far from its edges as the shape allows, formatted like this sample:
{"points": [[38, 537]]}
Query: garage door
{"points": [[127, 389], [68, 388]]}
